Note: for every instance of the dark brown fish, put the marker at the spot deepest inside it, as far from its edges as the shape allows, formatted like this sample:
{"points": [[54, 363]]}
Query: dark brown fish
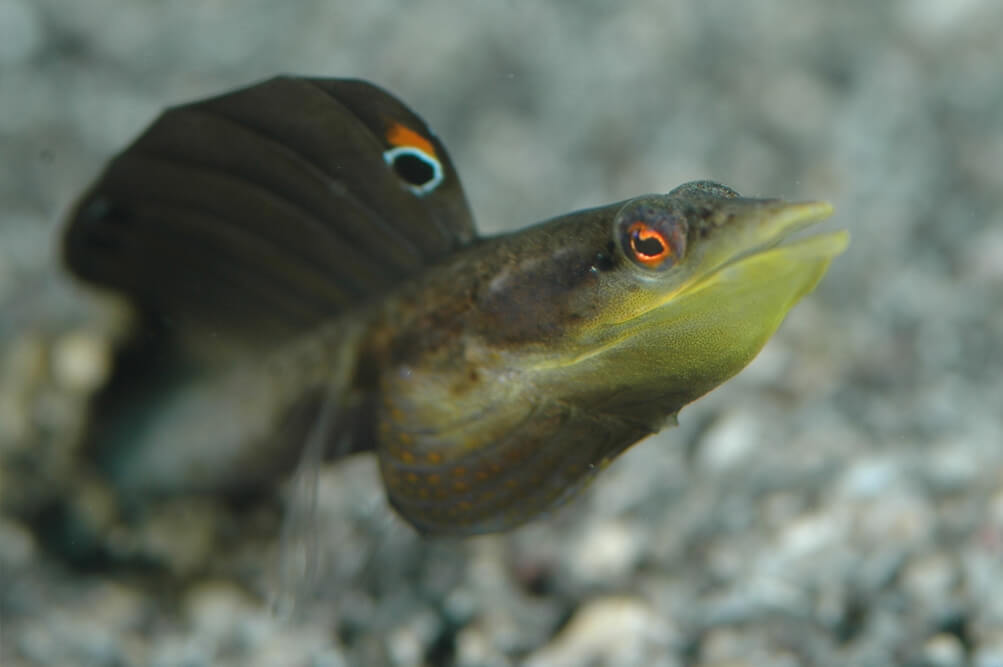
{"points": [[306, 242]]}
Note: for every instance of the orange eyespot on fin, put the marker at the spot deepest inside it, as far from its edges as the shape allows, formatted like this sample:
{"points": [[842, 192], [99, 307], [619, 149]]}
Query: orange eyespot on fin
{"points": [[649, 246], [413, 159]]}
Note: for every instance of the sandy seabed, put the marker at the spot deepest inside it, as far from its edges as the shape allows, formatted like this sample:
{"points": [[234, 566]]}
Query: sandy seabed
{"points": [[838, 503]]}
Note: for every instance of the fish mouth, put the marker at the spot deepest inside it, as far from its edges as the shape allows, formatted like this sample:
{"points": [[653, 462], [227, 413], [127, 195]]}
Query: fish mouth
{"points": [[782, 227], [771, 234], [744, 275], [761, 244], [740, 287]]}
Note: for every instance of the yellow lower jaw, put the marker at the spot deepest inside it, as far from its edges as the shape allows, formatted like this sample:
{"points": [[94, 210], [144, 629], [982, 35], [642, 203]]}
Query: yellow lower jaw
{"points": [[735, 307], [741, 304], [812, 254]]}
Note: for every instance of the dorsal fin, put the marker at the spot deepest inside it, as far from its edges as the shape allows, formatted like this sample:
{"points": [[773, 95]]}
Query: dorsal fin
{"points": [[250, 217]]}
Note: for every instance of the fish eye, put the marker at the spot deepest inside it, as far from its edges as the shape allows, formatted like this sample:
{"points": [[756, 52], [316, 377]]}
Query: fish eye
{"points": [[650, 237], [647, 243]]}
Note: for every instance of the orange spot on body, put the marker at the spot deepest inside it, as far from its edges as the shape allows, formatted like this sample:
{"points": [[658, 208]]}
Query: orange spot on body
{"points": [[401, 135], [433, 457], [407, 457]]}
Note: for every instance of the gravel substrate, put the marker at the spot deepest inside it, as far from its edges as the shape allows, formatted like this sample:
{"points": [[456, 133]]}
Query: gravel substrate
{"points": [[838, 503]]}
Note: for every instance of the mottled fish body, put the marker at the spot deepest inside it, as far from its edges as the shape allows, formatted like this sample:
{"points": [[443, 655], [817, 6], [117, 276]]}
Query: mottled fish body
{"points": [[305, 243]]}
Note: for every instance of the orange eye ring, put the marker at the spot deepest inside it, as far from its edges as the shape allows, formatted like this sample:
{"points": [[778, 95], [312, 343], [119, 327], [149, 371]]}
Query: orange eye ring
{"points": [[649, 246], [651, 233]]}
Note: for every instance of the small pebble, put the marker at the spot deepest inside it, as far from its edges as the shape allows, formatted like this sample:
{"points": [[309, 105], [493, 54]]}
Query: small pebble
{"points": [[17, 546], [810, 535], [181, 534], [868, 478], [81, 361], [21, 32], [935, 19], [614, 631], [930, 578], [984, 261], [606, 552], [732, 647], [944, 650], [215, 607], [989, 652], [23, 367], [730, 440], [951, 467], [409, 643]]}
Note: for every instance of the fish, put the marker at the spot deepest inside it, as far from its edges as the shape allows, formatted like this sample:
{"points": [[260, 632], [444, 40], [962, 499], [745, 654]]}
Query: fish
{"points": [[301, 259]]}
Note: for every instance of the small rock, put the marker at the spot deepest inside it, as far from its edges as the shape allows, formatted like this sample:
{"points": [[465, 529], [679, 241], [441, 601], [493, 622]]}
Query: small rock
{"points": [[408, 644], [989, 652], [984, 261], [613, 631], [730, 440], [901, 519], [22, 371], [21, 33], [811, 534], [607, 551], [94, 505], [215, 606], [731, 647], [181, 534], [951, 467], [930, 578], [752, 598], [473, 647], [936, 19], [98, 628], [17, 547], [944, 650], [869, 478], [81, 361]]}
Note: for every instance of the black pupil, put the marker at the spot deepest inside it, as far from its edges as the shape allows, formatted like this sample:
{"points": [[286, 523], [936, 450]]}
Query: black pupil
{"points": [[413, 169], [649, 247]]}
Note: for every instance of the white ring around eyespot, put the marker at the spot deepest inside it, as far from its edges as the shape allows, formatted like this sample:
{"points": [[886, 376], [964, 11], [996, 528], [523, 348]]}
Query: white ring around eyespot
{"points": [[437, 173]]}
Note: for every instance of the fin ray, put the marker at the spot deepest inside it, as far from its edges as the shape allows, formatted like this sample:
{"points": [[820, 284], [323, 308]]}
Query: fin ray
{"points": [[271, 204]]}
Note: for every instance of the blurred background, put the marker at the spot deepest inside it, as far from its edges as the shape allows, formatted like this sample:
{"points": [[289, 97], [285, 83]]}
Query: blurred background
{"points": [[838, 503]]}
